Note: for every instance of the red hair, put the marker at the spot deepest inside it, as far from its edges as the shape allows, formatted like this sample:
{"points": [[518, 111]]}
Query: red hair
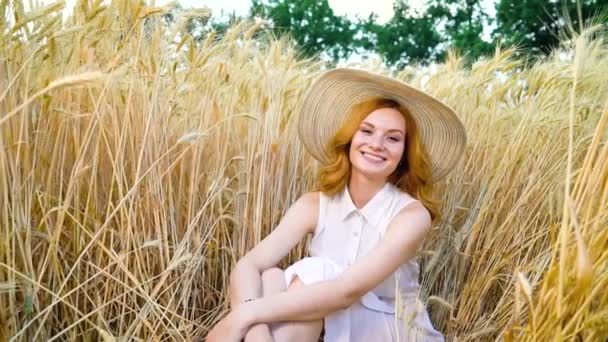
{"points": [[413, 175]]}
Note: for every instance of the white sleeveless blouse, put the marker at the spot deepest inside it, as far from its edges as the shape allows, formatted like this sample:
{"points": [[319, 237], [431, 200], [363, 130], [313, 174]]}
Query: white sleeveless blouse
{"points": [[345, 234]]}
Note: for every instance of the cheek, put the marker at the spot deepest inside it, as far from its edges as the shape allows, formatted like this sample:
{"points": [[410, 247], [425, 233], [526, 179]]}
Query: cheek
{"points": [[397, 152], [357, 139], [356, 142]]}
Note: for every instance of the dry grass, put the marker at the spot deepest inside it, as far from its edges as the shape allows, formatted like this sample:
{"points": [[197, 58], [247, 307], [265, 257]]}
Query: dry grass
{"points": [[137, 166]]}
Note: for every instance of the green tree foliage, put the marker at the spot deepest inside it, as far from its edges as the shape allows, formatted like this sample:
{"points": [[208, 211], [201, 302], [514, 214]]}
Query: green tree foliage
{"points": [[463, 22], [405, 38], [535, 25], [425, 35], [312, 23]]}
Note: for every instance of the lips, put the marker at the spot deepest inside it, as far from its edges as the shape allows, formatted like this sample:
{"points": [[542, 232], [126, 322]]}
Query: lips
{"points": [[374, 158]]}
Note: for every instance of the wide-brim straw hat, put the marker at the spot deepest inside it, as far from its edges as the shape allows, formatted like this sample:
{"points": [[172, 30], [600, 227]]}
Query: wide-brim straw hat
{"points": [[329, 101]]}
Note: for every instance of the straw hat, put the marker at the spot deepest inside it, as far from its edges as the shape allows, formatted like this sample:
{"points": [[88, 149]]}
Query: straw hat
{"points": [[329, 100]]}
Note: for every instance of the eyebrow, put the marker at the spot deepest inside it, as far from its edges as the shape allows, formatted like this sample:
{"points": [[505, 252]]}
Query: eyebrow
{"points": [[390, 130]]}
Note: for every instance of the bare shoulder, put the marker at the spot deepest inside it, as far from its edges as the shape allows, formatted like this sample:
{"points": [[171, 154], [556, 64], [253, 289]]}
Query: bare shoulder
{"points": [[310, 199], [306, 209], [414, 215]]}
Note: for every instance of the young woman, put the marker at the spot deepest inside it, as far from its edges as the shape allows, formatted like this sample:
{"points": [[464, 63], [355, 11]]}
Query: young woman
{"points": [[381, 144]]}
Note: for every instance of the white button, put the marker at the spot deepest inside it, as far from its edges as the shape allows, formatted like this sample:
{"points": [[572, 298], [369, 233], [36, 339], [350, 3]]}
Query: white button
{"points": [[355, 234]]}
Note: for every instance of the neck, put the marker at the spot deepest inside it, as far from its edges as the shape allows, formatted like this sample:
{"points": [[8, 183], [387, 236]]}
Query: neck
{"points": [[362, 189]]}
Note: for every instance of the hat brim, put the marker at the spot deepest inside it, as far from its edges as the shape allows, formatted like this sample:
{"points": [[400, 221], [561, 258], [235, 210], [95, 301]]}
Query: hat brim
{"points": [[329, 101]]}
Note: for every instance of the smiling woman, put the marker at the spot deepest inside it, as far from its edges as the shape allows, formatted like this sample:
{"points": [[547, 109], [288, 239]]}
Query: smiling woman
{"points": [[360, 128], [381, 145]]}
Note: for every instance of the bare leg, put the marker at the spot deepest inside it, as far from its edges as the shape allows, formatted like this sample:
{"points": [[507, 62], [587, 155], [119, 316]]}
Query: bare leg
{"points": [[270, 284], [273, 281]]}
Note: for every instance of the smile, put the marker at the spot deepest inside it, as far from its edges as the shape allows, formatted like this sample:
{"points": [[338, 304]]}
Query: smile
{"points": [[373, 158]]}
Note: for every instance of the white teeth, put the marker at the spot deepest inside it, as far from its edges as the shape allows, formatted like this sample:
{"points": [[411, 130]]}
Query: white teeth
{"points": [[373, 157]]}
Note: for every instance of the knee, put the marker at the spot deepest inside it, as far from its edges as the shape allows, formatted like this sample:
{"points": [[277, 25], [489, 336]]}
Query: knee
{"points": [[272, 274]]}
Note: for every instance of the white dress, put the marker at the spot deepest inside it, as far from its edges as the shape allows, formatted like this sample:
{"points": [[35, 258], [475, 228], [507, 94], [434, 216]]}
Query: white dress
{"points": [[345, 234]]}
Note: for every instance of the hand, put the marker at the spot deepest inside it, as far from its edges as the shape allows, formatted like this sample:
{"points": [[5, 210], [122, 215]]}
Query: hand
{"points": [[231, 328]]}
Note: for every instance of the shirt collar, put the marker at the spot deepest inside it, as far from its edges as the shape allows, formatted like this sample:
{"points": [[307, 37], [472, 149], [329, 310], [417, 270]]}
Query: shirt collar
{"points": [[373, 209]]}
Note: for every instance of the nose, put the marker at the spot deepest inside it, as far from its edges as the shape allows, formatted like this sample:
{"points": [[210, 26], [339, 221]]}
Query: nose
{"points": [[376, 143]]}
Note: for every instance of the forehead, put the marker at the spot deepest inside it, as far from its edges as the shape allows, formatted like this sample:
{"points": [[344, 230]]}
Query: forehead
{"points": [[387, 118]]}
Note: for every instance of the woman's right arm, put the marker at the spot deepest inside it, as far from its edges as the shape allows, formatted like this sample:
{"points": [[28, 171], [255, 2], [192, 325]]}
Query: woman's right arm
{"points": [[245, 282], [245, 279]]}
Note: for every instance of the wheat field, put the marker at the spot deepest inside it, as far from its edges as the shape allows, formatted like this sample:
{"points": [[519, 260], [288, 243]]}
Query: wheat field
{"points": [[137, 164]]}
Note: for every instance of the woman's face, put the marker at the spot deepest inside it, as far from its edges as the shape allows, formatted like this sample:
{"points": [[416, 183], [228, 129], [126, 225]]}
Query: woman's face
{"points": [[378, 144]]}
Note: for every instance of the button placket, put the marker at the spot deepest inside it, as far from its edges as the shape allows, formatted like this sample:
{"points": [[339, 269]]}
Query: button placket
{"points": [[357, 238]]}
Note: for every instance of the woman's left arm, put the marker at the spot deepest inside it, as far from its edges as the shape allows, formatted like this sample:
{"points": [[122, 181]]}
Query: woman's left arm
{"points": [[404, 235]]}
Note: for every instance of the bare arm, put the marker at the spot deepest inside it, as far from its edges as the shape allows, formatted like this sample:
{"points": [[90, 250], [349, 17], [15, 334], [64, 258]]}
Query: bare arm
{"points": [[403, 237], [245, 280]]}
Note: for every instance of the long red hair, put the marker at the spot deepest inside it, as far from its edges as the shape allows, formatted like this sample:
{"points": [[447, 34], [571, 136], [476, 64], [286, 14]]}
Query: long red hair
{"points": [[413, 175]]}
